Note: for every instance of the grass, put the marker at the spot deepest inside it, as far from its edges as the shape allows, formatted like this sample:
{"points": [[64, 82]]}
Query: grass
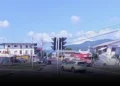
{"points": [[21, 66]]}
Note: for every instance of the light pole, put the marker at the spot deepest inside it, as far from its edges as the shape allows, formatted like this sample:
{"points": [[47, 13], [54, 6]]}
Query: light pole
{"points": [[32, 51], [41, 39], [42, 44], [57, 52]]}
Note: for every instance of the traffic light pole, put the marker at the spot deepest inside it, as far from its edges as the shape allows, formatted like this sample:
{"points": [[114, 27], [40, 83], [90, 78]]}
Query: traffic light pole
{"points": [[32, 52], [61, 48], [58, 54]]}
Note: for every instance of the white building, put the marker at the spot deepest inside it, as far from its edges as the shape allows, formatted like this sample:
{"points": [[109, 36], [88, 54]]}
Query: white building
{"points": [[107, 51], [18, 48]]}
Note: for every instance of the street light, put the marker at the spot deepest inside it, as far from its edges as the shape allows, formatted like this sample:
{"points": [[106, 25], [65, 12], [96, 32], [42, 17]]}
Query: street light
{"points": [[58, 55], [32, 51], [42, 43]]}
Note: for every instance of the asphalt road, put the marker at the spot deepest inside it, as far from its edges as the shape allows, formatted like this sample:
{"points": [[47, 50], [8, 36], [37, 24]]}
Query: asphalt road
{"points": [[53, 72]]}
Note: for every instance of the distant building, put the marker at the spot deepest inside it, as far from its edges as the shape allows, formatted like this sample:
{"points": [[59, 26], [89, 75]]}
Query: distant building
{"points": [[64, 53], [18, 49], [108, 53], [111, 48]]}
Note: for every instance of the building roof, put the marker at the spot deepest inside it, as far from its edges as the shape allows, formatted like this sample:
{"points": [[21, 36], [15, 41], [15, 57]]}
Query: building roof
{"points": [[107, 43], [18, 43]]}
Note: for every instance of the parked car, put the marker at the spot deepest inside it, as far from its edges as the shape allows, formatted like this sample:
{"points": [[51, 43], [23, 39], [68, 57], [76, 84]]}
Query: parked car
{"points": [[45, 61], [74, 66], [64, 61]]}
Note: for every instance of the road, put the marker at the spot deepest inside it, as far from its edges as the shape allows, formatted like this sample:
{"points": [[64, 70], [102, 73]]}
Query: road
{"points": [[52, 72]]}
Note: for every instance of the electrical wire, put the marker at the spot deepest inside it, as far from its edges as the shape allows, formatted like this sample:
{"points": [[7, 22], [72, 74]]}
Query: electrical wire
{"points": [[101, 29], [94, 36]]}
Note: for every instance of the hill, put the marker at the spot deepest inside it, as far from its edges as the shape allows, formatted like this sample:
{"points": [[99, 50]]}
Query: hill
{"points": [[85, 45]]}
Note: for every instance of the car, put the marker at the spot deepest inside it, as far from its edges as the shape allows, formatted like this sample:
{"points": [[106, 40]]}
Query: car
{"points": [[49, 62], [89, 65], [74, 66], [64, 61]]}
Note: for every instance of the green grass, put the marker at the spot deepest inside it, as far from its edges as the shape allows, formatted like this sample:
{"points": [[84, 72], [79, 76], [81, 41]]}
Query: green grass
{"points": [[21, 66]]}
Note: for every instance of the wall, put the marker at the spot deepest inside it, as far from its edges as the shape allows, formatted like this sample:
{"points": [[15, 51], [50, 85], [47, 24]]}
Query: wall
{"points": [[117, 46], [12, 49], [18, 46], [23, 51]]}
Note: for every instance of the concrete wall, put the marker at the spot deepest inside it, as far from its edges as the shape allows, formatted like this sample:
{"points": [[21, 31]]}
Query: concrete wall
{"points": [[18, 46], [17, 51]]}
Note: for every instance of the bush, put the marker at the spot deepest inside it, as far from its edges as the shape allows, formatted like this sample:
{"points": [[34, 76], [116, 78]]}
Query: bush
{"points": [[95, 56]]}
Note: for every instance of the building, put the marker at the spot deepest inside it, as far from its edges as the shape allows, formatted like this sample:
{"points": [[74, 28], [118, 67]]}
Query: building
{"points": [[108, 52], [63, 54], [18, 49], [111, 48]]}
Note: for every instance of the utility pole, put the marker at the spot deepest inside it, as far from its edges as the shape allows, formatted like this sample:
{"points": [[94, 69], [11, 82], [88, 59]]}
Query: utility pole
{"points": [[32, 51], [58, 53], [61, 48], [42, 43]]}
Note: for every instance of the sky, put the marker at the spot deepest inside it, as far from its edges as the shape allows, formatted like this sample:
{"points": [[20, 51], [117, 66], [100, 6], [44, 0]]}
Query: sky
{"points": [[20, 20]]}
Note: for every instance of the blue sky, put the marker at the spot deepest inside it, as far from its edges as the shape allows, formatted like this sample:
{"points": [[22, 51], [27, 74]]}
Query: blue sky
{"points": [[46, 16]]}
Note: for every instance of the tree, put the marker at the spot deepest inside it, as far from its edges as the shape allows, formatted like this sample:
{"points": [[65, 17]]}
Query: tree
{"points": [[95, 56], [68, 49]]}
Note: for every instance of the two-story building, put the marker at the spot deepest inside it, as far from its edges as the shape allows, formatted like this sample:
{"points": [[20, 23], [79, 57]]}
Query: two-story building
{"points": [[18, 49]]}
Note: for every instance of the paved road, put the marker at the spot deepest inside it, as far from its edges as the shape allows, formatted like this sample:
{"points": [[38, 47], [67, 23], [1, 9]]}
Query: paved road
{"points": [[53, 72]]}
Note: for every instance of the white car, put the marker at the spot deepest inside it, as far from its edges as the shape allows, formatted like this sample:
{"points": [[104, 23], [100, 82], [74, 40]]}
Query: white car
{"points": [[74, 66]]}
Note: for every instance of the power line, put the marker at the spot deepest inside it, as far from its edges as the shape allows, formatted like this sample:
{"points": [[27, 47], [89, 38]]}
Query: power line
{"points": [[101, 29], [94, 36]]}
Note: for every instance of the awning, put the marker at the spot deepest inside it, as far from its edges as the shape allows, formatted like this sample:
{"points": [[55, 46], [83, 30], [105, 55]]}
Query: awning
{"points": [[102, 48]]}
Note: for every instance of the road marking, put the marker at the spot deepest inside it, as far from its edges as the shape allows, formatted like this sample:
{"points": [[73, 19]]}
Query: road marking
{"points": [[105, 70]]}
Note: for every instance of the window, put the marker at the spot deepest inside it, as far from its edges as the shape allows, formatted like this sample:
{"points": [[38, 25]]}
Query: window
{"points": [[8, 45], [15, 45], [26, 46], [105, 50], [30, 46], [113, 49], [20, 51], [20, 46], [79, 63], [70, 62]]}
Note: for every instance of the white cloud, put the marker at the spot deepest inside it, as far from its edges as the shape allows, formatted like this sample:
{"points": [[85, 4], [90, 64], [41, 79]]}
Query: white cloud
{"points": [[64, 33], [53, 34], [4, 24], [75, 19], [81, 36], [80, 40], [80, 33], [86, 36], [46, 38], [31, 33]]}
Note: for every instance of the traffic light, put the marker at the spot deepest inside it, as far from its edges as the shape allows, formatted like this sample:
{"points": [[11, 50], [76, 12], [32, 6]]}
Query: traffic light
{"points": [[54, 43], [62, 43]]}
